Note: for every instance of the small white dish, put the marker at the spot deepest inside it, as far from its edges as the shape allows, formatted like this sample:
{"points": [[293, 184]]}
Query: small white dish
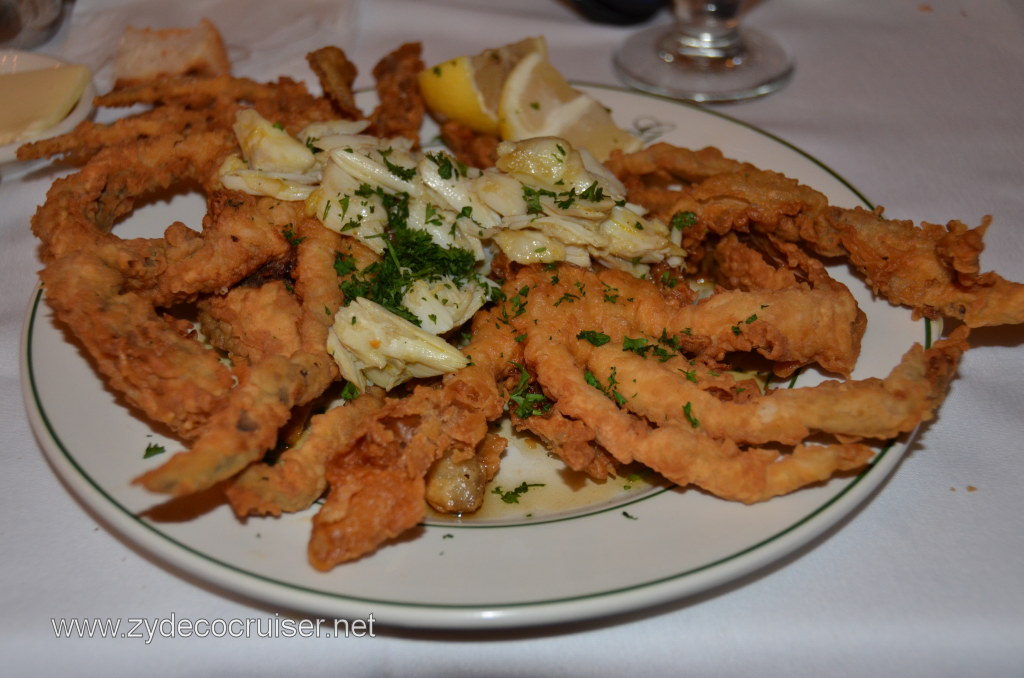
{"points": [[16, 61]]}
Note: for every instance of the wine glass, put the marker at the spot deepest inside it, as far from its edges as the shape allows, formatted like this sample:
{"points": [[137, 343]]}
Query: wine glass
{"points": [[704, 55]]}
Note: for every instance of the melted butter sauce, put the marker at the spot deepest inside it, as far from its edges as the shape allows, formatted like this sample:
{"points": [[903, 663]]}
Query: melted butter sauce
{"points": [[553, 490]]}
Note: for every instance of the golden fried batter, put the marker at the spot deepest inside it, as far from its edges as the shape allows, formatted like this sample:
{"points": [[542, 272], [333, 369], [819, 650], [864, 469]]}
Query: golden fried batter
{"points": [[337, 75], [298, 477], [251, 323], [246, 426], [607, 365], [401, 109], [932, 269]]}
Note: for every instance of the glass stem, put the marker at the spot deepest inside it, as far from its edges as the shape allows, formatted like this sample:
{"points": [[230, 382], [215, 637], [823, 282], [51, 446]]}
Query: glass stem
{"points": [[706, 29]]}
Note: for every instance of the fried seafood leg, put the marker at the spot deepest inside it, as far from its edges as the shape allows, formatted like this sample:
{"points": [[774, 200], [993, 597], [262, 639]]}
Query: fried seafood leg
{"points": [[652, 175], [791, 327], [287, 102], [930, 268], [200, 91], [337, 75], [108, 290], [378, 485], [767, 265], [251, 323], [240, 234], [282, 320], [570, 440], [680, 453], [367, 506], [610, 363], [172, 378], [298, 477], [319, 252], [401, 109], [88, 137], [878, 409], [245, 426], [80, 209], [664, 164], [470, 147]]}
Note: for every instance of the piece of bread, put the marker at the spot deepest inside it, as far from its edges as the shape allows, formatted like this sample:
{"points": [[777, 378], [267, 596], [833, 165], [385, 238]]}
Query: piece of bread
{"points": [[146, 53]]}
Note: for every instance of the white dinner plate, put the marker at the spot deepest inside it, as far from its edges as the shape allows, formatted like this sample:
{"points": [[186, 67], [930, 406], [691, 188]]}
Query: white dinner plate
{"points": [[16, 61], [566, 552]]}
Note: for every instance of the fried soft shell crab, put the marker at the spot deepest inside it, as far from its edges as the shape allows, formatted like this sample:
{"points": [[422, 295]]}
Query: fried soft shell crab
{"points": [[428, 294]]}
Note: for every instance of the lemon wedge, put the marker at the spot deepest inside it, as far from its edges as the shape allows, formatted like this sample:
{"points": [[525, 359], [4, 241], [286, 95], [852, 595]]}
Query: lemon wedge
{"points": [[468, 88], [537, 101], [35, 101]]}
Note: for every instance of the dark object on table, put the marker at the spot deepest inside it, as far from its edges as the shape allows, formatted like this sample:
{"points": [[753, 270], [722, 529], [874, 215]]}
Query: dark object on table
{"points": [[24, 25], [622, 12]]}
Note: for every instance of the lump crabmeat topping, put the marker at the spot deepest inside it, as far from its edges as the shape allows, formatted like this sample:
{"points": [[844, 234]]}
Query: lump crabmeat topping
{"points": [[435, 223]]}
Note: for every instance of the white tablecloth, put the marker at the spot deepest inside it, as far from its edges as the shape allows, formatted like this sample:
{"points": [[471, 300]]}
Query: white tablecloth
{"points": [[920, 106]]}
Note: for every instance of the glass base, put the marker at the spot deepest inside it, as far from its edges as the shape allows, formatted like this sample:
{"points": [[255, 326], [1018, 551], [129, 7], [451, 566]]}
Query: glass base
{"points": [[650, 60]]}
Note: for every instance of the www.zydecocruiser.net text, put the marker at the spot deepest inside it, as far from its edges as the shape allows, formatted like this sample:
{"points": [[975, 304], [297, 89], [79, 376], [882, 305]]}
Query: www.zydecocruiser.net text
{"points": [[149, 629]]}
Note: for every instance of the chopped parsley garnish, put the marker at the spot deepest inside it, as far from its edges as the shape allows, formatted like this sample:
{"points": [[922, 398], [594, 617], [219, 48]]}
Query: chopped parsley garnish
{"points": [[593, 193], [532, 197], [431, 215], [608, 390], [642, 347], [152, 450], [403, 173], [446, 169], [611, 294], [595, 338], [344, 264], [563, 200], [517, 303], [512, 496], [681, 220], [671, 342], [737, 330], [568, 296], [350, 391], [688, 413], [527, 403], [410, 255], [638, 345], [289, 234]]}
